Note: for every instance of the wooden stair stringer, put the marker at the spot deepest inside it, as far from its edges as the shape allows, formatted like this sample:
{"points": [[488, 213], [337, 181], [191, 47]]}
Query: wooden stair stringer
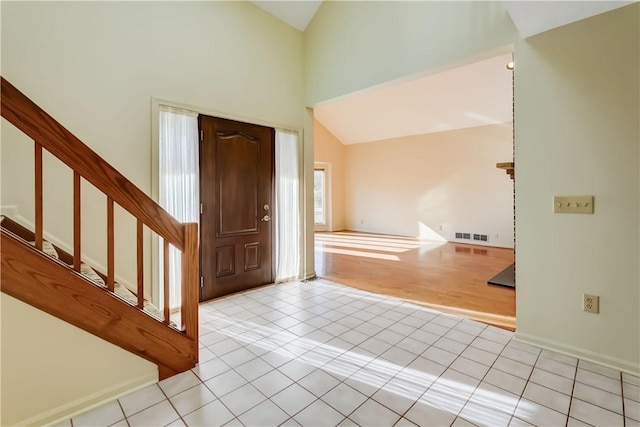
{"points": [[51, 286]]}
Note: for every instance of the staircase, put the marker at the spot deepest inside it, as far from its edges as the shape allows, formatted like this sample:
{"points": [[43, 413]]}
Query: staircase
{"points": [[61, 284]]}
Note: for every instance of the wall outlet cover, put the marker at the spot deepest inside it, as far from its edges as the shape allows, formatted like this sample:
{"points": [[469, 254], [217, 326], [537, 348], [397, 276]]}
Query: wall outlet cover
{"points": [[591, 303]]}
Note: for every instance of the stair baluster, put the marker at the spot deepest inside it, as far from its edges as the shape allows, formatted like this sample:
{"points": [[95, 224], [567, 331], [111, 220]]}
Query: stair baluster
{"points": [[77, 258], [110, 246], [165, 279], [38, 194], [140, 267]]}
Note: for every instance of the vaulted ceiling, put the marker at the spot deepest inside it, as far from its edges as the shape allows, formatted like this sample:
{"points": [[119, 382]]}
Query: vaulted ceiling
{"points": [[473, 95], [529, 17], [298, 14]]}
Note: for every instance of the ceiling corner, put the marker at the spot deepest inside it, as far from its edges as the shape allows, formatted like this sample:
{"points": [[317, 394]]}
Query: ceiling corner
{"points": [[296, 13], [535, 17]]}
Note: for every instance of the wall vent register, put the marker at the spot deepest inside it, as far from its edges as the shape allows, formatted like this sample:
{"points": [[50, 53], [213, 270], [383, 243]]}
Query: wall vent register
{"points": [[469, 236]]}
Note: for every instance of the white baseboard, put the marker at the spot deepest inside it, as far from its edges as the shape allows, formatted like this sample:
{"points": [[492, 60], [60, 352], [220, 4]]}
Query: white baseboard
{"points": [[89, 402], [580, 353]]}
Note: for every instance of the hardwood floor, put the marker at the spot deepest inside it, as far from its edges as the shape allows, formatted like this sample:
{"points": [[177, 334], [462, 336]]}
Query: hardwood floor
{"points": [[449, 277]]}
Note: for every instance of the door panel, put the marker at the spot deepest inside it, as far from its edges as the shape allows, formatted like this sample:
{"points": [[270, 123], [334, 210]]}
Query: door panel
{"points": [[236, 190], [238, 159], [251, 256]]}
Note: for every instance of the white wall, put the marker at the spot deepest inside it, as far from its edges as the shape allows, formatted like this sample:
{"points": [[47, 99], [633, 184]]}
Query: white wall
{"points": [[329, 149], [94, 66], [353, 45], [51, 369], [433, 185], [577, 133], [576, 94]]}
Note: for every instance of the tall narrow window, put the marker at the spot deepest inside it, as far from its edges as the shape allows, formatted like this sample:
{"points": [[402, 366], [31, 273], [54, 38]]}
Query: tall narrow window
{"points": [[288, 222], [321, 196], [178, 181]]}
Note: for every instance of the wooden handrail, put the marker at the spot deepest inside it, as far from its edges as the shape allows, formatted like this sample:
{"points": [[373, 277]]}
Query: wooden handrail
{"points": [[51, 135]]}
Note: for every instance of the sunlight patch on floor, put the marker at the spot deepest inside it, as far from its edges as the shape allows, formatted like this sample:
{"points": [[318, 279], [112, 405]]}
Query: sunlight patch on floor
{"points": [[443, 393], [370, 247], [373, 255]]}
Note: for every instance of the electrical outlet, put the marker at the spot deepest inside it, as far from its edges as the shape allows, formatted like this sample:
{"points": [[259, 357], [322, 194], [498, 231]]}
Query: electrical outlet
{"points": [[591, 303]]}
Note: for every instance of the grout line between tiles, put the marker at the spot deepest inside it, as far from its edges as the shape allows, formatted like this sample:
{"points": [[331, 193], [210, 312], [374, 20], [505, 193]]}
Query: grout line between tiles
{"points": [[171, 403], [126, 420], [335, 301], [525, 387]]}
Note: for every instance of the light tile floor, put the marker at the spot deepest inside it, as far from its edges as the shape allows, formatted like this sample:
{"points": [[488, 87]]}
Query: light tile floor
{"points": [[322, 354]]}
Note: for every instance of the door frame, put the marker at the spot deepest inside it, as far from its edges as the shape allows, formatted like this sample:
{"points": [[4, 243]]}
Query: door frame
{"points": [[153, 240]]}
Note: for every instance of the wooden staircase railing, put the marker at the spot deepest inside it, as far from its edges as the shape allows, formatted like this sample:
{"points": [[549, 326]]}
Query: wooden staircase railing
{"points": [[25, 268]]}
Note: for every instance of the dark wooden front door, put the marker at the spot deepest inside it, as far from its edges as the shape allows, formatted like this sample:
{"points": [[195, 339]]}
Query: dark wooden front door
{"points": [[236, 191]]}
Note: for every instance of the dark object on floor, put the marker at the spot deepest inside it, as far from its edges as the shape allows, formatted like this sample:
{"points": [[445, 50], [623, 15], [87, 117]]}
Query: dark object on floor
{"points": [[506, 277]]}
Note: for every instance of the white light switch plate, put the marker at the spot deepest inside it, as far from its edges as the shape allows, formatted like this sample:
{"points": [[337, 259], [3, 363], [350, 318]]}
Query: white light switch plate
{"points": [[573, 204]]}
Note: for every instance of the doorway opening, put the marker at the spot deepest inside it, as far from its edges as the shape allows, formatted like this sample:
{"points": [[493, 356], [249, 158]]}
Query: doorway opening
{"points": [[422, 195]]}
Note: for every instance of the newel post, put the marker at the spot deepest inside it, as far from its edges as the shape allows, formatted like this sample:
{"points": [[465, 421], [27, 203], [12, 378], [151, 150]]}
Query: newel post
{"points": [[190, 273]]}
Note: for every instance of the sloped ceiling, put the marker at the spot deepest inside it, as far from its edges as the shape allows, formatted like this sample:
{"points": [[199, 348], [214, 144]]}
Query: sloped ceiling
{"points": [[535, 17], [473, 95], [530, 17]]}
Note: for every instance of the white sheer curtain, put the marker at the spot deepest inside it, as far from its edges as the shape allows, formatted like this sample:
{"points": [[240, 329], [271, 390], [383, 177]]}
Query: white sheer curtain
{"points": [[178, 181], [287, 206]]}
